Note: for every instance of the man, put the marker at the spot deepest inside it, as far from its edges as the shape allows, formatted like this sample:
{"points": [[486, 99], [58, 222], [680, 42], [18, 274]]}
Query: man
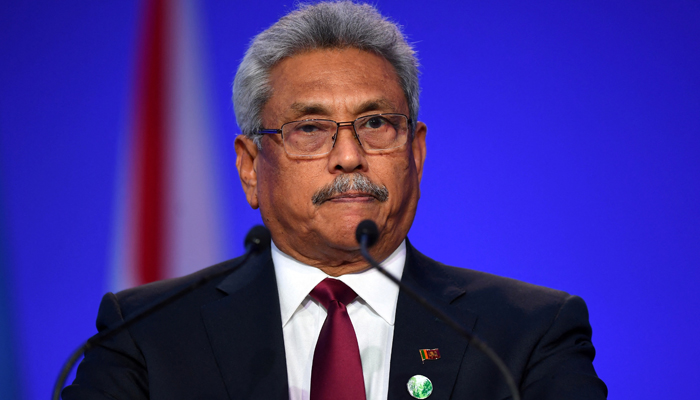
{"points": [[327, 99]]}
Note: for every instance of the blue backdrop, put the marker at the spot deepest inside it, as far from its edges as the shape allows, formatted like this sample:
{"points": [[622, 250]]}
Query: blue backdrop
{"points": [[563, 150]]}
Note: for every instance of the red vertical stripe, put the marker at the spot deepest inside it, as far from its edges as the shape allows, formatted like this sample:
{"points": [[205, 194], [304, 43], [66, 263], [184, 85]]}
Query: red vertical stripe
{"points": [[150, 137]]}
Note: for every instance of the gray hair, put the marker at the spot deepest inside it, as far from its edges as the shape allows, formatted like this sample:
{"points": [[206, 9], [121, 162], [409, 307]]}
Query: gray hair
{"points": [[324, 25]]}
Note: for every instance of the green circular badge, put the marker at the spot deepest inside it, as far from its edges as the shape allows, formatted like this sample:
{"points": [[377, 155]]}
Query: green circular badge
{"points": [[419, 387]]}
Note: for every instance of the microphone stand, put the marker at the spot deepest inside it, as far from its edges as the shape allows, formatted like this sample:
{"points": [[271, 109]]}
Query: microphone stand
{"points": [[478, 343]]}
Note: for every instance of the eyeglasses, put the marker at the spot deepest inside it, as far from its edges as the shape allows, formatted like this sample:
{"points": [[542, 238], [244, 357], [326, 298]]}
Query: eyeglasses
{"points": [[315, 137]]}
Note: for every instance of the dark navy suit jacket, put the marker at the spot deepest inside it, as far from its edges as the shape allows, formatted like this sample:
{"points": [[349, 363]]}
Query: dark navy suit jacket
{"points": [[224, 341]]}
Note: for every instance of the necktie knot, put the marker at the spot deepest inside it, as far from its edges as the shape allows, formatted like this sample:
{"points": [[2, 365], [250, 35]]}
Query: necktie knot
{"points": [[330, 290]]}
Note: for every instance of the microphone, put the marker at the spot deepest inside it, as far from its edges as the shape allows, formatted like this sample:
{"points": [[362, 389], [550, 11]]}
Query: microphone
{"points": [[367, 235], [367, 231], [256, 241]]}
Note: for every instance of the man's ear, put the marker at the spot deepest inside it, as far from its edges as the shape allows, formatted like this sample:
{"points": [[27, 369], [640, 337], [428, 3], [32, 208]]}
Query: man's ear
{"points": [[246, 155], [418, 146]]}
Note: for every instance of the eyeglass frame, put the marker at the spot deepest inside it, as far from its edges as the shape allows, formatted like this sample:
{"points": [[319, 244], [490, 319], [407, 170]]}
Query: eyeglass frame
{"points": [[409, 126]]}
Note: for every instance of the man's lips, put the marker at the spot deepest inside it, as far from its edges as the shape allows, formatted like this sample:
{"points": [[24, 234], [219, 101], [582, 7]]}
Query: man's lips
{"points": [[352, 197]]}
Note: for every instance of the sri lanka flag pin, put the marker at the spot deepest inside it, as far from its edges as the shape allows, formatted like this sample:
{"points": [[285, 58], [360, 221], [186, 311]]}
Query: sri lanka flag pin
{"points": [[429, 354]]}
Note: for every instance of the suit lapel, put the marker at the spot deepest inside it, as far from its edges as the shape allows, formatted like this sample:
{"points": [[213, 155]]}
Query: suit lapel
{"points": [[245, 332], [416, 328]]}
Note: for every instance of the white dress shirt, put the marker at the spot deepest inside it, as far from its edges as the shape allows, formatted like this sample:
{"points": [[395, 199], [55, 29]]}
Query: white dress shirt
{"points": [[372, 314]]}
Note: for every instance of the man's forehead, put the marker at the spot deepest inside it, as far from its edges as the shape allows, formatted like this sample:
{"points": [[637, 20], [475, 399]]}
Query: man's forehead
{"points": [[325, 82]]}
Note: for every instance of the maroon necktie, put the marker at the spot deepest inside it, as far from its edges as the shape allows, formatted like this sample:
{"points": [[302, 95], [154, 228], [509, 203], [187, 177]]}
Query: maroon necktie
{"points": [[337, 371]]}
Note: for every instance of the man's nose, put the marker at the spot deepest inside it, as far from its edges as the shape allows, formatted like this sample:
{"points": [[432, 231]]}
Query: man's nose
{"points": [[347, 155]]}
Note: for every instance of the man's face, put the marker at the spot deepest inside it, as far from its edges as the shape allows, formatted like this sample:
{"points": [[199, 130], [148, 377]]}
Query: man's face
{"points": [[340, 85]]}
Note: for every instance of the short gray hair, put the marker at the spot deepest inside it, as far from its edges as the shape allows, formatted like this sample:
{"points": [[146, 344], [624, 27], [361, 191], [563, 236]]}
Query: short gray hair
{"points": [[324, 25]]}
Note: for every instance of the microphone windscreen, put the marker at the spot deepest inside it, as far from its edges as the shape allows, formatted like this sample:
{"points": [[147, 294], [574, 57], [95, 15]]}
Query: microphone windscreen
{"points": [[367, 228], [257, 239]]}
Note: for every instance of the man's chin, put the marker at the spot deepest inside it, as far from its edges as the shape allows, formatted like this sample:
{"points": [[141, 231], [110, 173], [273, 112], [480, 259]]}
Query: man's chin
{"points": [[343, 241], [336, 223], [343, 225]]}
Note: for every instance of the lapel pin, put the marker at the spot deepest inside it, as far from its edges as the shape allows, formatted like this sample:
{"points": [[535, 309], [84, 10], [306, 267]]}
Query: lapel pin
{"points": [[419, 387], [429, 354]]}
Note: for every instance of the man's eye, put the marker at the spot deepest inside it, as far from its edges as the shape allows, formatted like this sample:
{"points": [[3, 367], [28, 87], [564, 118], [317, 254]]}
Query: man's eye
{"points": [[307, 128], [310, 128], [375, 123]]}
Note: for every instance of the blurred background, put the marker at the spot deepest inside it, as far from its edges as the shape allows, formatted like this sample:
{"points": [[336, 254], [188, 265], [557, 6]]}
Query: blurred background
{"points": [[563, 150]]}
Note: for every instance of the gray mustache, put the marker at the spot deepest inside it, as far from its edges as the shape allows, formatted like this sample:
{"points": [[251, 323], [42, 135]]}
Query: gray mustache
{"points": [[354, 182]]}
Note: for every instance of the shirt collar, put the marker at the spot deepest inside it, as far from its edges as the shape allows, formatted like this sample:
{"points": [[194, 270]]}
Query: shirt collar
{"points": [[295, 280]]}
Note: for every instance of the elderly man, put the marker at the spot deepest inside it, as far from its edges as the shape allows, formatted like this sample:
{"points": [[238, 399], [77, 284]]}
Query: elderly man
{"points": [[327, 99]]}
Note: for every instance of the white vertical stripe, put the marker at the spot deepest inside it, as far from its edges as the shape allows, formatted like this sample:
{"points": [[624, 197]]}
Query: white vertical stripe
{"points": [[193, 234]]}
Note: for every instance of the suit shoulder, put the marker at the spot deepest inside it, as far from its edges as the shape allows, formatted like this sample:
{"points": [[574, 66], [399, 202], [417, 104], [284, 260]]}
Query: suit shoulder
{"points": [[133, 298], [484, 290], [494, 289]]}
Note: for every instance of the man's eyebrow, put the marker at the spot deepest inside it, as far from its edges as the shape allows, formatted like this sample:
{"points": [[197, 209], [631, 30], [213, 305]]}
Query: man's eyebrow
{"points": [[376, 105], [301, 109]]}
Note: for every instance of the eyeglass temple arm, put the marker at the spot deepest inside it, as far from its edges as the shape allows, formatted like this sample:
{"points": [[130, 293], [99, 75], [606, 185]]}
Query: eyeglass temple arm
{"points": [[269, 131]]}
